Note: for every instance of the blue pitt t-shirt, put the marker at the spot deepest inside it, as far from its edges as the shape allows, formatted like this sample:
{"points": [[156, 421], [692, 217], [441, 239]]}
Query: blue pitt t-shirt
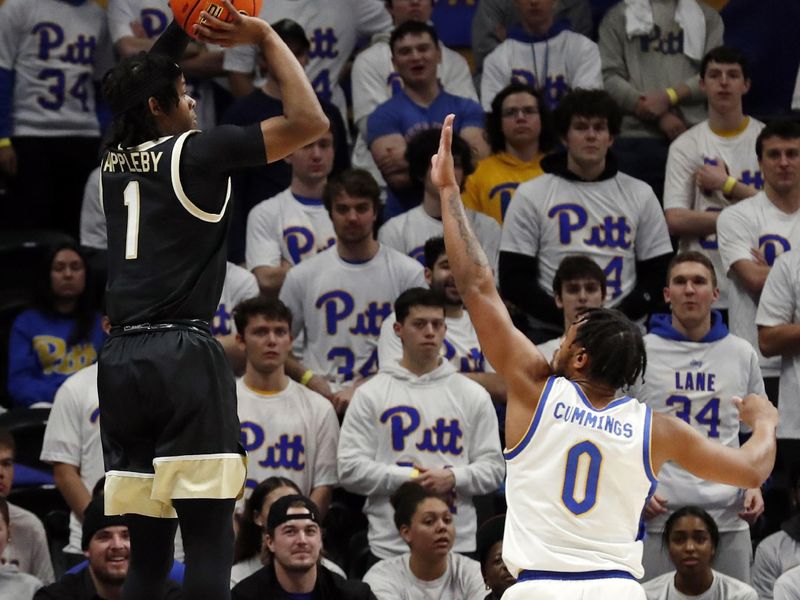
{"points": [[400, 114]]}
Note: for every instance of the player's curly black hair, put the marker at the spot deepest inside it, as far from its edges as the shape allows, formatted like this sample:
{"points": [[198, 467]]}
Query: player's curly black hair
{"points": [[615, 346], [127, 88]]}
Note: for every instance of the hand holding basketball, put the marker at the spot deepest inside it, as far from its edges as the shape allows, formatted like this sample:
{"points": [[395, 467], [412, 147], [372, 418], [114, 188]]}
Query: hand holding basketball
{"points": [[203, 19]]}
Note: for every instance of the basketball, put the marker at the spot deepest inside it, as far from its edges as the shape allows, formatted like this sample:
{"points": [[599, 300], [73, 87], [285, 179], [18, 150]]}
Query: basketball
{"points": [[187, 12]]}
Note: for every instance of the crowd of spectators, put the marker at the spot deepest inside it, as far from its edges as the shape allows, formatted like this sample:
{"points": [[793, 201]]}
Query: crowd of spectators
{"points": [[608, 155]]}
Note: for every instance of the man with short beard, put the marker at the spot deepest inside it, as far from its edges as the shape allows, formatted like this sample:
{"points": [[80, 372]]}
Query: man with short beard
{"points": [[294, 540], [107, 545]]}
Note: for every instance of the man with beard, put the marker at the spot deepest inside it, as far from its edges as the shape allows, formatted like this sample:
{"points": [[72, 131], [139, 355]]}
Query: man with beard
{"points": [[107, 545], [294, 541], [341, 295]]}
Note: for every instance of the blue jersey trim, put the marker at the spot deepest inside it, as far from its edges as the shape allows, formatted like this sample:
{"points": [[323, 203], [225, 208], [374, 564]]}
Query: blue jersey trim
{"points": [[307, 201], [648, 467], [511, 453], [577, 576], [585, 400]]}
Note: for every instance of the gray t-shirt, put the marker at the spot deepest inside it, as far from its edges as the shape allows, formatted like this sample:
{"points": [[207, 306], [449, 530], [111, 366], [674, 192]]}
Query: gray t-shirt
{"points": [[392, 579]]}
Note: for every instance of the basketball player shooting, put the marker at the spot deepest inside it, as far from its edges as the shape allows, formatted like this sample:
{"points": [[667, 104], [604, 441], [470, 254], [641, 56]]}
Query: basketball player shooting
{"points": [[581, 462], [167, 395]]}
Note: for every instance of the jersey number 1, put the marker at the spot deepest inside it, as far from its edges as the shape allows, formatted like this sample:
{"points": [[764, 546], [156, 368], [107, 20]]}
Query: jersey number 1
{"points": [[131, 197], [583, 467]]}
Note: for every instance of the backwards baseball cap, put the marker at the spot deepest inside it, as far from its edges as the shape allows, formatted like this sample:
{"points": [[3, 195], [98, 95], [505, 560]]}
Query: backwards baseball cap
{"points": [[279, 511], [94, 520]]}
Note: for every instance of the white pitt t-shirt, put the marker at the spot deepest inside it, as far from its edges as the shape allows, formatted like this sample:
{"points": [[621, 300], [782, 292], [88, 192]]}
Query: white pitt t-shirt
{"points": [[287, 227], [408, 232], [72, 437], [780, 305], [753, 223], [240, 284], [616, 222], [341, 307], [293, 433], [695, 381], [687, 154]]}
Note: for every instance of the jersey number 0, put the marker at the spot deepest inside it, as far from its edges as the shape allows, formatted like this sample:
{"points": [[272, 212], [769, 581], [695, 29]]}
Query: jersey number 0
{"points": [[582, 470]]}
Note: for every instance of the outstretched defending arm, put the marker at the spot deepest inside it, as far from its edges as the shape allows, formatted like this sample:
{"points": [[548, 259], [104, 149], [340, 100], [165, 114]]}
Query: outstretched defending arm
{"points": [[512, 354], [745, 467], [303, 120]]}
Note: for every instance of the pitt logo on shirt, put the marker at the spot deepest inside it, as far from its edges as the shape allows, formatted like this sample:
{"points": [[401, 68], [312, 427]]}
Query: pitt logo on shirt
{"points": [[442, 437]]}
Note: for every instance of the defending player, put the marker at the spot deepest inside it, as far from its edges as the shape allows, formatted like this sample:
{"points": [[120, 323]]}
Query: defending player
{"points": [[167, 397], [580, 463]]}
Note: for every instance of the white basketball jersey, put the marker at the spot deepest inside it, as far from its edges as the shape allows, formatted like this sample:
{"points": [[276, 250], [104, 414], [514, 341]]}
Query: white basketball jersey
{"points": [[288, 228], [687, 154], [408, 232], [695, 381], [754, 223], [615, 222], [341, 307], [577, 484]]}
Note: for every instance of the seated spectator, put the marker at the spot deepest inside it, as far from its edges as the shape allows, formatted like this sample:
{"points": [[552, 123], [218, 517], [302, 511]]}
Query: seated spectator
{"points": [[519, 131], [339, 297], [421, 104], [27, 547], [293, 225], [293, 539], [490, 555], [107, 545], [429, 569], [583, 205], [13, 583], [409, 231], [419, 419], [460, 346], [252, 185], [250, 552], [59, 336], [493, 19], [579, 283], [713, 164], [287, 429], [692, 539], [651, 53], [543, 53], [374, 79]]}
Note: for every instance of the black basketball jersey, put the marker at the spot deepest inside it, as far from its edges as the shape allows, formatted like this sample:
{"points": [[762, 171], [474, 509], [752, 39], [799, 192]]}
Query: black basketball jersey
{"points": [[166, 255]]}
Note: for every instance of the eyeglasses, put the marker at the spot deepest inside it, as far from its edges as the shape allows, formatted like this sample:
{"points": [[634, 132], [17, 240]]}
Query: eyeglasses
{"points": [[514, 110]]}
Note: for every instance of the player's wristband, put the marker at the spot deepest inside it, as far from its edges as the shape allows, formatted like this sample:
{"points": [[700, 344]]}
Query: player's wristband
{"points": [[672, 95], [5, 142], [729, 184], [306, 377]]}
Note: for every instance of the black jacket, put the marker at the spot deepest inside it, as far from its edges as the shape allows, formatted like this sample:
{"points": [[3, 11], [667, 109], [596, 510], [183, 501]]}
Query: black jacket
{"points": [[330, 586], [79, 586]]}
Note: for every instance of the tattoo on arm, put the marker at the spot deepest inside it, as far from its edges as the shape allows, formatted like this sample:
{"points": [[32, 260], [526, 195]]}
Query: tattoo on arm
{"points": [[473, 247]]}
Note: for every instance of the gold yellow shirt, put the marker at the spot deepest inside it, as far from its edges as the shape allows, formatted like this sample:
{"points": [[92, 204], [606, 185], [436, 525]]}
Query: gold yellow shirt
{"points": [[490, 188]]}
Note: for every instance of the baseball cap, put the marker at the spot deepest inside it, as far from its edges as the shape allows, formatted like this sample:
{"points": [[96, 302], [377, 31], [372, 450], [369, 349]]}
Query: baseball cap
{"points": [[279, 511]]}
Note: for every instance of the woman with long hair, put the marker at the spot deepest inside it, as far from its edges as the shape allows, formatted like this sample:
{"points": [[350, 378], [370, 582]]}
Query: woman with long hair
{"points": [[59, 335]]}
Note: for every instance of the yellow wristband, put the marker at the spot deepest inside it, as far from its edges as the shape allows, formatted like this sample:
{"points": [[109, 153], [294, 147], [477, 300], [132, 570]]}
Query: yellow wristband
{"points": [[5, 142], [730, 183], [414, 473], [673, 96], [306, 377]]}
